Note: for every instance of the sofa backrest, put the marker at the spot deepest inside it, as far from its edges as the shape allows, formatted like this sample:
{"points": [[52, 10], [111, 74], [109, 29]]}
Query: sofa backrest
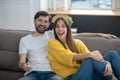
{"points": [[9, 39], [9, 45], [101, 44]]}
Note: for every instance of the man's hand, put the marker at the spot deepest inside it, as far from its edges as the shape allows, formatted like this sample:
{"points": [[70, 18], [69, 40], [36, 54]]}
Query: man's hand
{"points": [[27, 67], [108, 36]]}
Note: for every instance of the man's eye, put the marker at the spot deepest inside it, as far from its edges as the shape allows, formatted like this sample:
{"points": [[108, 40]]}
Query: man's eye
{"points": [[46, 21], [40, 20]]}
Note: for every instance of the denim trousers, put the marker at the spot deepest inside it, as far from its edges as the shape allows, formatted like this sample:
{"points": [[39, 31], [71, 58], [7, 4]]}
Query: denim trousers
{"points": [[41, 75], [91, 69]]}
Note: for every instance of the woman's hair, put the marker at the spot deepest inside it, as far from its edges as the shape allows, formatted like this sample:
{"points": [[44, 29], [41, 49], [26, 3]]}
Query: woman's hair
{"points": [[69, 39]]}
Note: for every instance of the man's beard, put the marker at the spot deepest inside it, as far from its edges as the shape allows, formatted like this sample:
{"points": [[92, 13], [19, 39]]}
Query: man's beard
{"points": [[40, 31]]}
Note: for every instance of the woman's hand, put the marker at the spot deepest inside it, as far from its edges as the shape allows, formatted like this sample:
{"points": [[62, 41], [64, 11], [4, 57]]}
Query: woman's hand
{"points": [[108, 69], [96, 55], [27, 67]]}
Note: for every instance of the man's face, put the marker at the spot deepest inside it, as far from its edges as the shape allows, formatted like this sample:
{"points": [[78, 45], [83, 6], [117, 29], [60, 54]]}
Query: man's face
{"points": [[41, 24]]}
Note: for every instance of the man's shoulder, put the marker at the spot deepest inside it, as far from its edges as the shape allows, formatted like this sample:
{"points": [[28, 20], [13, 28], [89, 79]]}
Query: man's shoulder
{"points": [[49, 31], [26, 37]]}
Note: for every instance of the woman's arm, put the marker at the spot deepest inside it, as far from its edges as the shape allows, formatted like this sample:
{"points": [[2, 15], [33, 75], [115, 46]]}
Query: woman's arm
{"points": [[109, 36], [94, 54], [57, 53], [83, 52]]}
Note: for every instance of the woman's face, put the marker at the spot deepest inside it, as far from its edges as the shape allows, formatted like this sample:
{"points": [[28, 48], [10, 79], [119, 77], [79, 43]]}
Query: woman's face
{"points": [[61, 30]]}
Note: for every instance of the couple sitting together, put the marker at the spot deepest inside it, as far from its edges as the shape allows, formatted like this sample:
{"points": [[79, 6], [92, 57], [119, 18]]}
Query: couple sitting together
{"points": [[55, 55]]}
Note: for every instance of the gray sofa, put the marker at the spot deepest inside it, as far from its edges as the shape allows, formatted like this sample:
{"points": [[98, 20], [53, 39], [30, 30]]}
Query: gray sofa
{"points": [[9, 43]]}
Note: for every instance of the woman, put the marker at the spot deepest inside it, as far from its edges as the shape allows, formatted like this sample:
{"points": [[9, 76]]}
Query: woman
{"points": [[72, 60]]}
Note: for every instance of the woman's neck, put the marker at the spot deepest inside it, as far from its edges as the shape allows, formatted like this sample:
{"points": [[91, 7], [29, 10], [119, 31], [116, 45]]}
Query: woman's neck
{"points": [[63, 40]]}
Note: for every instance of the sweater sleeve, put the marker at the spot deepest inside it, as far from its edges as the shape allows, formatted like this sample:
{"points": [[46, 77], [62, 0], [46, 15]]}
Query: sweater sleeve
{"points": [[82, 48], [59, 53]]}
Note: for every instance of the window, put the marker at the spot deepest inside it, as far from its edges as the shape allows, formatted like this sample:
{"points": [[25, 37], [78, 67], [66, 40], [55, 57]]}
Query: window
{"points": [[66, 5], [91, 4]]}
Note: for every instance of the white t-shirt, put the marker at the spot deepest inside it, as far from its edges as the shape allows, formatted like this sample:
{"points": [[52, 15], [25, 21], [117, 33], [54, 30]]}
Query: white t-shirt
{"points": [[36, 50]]}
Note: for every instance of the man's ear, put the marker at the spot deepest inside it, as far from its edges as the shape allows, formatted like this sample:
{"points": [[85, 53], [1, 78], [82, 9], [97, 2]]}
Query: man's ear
{"points": [[49, 23], [33, 21]]}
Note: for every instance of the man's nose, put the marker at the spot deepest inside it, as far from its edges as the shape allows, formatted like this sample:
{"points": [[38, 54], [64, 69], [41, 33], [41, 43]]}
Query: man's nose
{"points": [[42, 23]]}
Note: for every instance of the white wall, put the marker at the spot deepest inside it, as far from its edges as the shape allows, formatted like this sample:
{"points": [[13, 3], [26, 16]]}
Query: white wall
{"points": [[15, 14], [34, 7], [19, 14], [0, 15]]}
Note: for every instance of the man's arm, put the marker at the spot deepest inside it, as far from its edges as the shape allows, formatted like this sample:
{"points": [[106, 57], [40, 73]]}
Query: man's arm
{"points": [[109, 36], [23, 64], [23, 56], [22, 60]]}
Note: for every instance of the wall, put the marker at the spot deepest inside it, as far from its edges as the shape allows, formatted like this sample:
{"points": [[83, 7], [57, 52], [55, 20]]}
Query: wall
{"points": [[0, 14], [14, 14], [18, 14]]}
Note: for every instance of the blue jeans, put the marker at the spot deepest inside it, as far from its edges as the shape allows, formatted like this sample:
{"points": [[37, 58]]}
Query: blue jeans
{"points": [[91, 69], [114, 58], [41, 75], [84, 72]]}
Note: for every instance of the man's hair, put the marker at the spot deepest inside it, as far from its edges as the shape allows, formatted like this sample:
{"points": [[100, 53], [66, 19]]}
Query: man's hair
{"points": [[42, 13]]}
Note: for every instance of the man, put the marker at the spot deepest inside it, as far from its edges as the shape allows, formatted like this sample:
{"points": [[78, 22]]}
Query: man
{"points": [[33, 47]]}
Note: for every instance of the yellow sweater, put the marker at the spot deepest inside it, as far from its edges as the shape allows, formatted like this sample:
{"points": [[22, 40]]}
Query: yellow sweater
{"points": [[61, 59]]}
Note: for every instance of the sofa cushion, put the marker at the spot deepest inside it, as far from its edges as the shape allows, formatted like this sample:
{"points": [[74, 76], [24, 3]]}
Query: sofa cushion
{"points": [[101, 44], [9, 39], [10, 75], [9, 61]]}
